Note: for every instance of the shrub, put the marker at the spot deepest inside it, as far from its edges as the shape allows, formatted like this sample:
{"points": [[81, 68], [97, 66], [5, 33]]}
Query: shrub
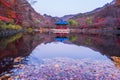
{"points": [[4, 25]]}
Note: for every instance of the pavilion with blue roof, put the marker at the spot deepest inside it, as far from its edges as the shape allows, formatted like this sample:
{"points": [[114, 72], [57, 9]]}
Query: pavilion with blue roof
{"points": [[61, 24]]}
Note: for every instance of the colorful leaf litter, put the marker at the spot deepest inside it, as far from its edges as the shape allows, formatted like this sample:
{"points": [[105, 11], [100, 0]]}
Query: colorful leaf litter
{"points": [[67, 69]]}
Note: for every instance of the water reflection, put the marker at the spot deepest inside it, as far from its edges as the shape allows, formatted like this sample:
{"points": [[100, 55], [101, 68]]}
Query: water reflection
{"points": [[5, 41], [40, 49], [58, 49]]}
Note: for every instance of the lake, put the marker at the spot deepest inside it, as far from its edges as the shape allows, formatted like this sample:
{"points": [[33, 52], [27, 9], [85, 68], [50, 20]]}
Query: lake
{"points": [[48, 56]]}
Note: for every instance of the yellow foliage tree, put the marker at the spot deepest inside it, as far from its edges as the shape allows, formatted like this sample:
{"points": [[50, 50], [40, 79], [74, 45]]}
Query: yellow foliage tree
{"points": [[3, 25]]}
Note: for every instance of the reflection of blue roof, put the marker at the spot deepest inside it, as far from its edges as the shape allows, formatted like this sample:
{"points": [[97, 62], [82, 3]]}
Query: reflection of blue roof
{"points": [[61, 22], [61, 39]]}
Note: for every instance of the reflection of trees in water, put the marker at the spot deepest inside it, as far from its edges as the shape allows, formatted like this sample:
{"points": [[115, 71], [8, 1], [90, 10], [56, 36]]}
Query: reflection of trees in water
{"points": [[8, 50], [107, 45], [22, 45], [5, 41], [19, 45], [73, 38]]}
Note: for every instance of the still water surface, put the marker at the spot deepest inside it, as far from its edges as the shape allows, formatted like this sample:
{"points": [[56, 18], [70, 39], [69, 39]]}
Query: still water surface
{"points": [[67, 57], [59, 49]]}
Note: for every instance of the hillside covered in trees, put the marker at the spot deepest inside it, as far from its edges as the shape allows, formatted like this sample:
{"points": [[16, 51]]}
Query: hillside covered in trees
{"points": [[106, 17], [20, 12]]}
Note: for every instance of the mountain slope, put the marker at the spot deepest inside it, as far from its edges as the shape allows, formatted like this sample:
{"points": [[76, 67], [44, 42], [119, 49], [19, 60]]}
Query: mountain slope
{"points": [[21, 12], [107, 16], [66, 17], [30, 17]]}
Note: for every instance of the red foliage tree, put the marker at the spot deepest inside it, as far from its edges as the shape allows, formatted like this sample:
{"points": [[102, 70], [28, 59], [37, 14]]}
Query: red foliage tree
{"points": [[8, 11]]}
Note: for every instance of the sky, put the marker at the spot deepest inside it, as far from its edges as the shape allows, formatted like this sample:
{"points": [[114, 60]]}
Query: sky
{"points": [[60, 8]]}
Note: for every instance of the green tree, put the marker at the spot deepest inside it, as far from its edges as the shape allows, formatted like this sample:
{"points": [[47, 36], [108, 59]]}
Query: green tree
{"points": [[89, 20], [72, 22]]}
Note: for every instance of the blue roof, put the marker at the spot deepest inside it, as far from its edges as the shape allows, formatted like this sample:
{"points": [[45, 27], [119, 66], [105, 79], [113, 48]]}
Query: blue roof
{"points": [[61, 22], [61, 39]]}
